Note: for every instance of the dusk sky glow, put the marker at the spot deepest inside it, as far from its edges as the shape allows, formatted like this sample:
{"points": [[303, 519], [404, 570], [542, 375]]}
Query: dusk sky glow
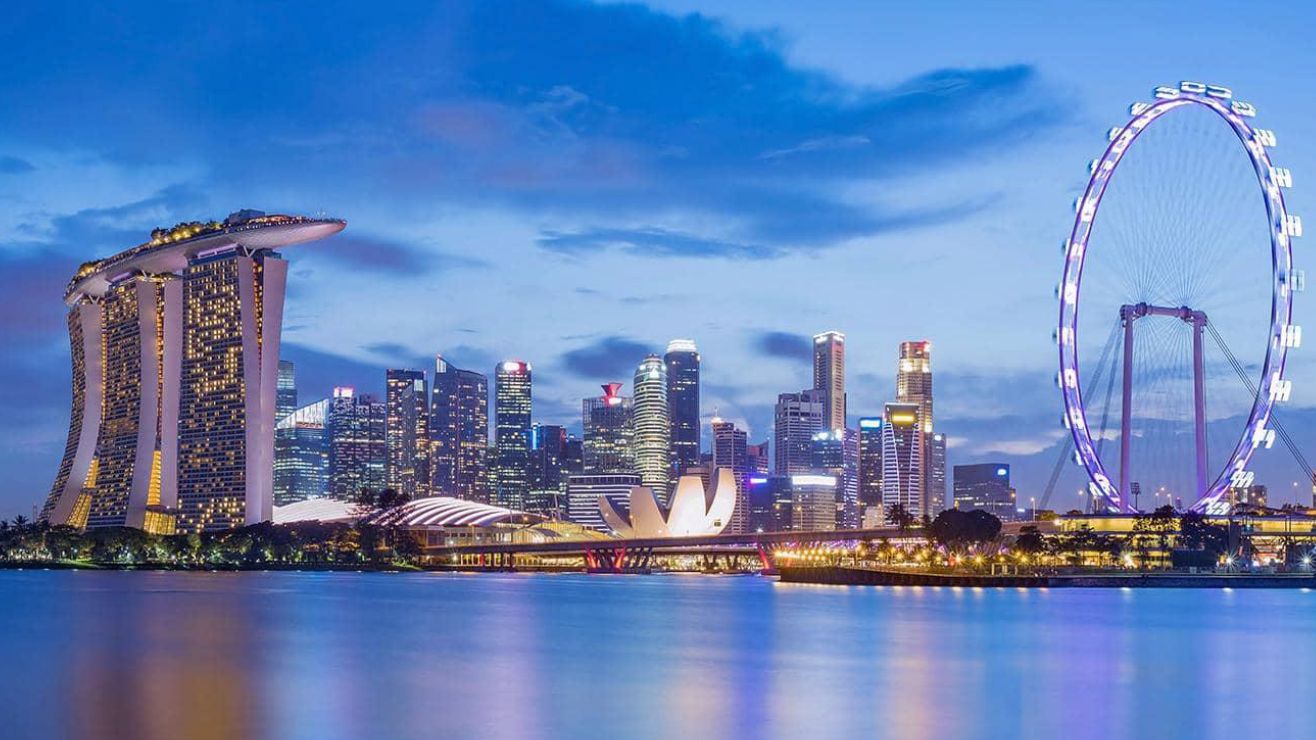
{"points": [[575, 184]]}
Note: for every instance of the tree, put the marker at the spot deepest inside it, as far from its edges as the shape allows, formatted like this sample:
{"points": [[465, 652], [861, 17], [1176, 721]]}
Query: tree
{"points": [[955, 529], [1198, 533], [1029, 540], [900, 517]]}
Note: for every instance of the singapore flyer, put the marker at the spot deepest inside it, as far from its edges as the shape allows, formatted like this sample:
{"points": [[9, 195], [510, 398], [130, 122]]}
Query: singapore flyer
{"points": [[1175, 315]]}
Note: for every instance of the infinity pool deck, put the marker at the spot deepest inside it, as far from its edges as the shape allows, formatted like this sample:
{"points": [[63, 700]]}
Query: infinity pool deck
{"points": [[842, 576]]}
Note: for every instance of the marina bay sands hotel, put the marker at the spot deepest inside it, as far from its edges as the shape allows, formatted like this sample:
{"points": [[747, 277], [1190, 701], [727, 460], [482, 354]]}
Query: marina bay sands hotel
{"points": [[175, 347]]}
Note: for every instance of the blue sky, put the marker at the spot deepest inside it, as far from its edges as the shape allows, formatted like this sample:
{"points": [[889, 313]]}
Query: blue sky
{"points": [[575, 184]]}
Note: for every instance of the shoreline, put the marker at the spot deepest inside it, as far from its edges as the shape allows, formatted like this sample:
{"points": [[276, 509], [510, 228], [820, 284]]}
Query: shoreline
{"points": [[846, 576]]}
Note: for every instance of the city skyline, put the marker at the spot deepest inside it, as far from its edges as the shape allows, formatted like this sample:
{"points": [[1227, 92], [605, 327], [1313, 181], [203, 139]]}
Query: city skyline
{"points": [[952, 209]]}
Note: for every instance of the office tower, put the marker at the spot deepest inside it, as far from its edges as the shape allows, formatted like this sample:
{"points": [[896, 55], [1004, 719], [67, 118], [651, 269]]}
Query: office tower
{"points": [[512, 433], [653, 426], [756, 459], [936, 475], [914, 385], [870, 471], [459, 433], [836, 453], [406, 432], [829, 376], [573, 456], [285, 394], [798, 416], [813, 502], [682, 360], [765, 501], [301, 456], [731, 451], [985, 486], [548, 447], [358, 457], [583, 493], [902, 458], [609, 427], [175, 348]]}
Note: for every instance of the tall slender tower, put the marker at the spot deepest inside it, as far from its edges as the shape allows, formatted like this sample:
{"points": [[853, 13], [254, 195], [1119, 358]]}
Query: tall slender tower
{"points": [[829, 376], [682, 360], [512, 433], [914, 385], [653, 428], [902, 458], [285, 401], [357, 452], [731, 450], [406, 432], [175, 363], [459, 433]]}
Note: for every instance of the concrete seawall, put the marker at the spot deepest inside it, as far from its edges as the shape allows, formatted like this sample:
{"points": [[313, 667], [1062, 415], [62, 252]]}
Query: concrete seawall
{"points": [[874, 577]]}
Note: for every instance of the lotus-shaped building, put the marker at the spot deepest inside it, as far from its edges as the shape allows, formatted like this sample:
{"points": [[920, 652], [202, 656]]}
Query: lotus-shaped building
{"points": [[694, 511]]}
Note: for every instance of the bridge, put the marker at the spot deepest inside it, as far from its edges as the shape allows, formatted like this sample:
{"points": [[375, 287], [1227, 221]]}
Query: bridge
{"points": [[753, 551]]}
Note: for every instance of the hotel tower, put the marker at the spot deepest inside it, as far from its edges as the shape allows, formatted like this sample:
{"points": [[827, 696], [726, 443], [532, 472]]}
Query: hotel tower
{"points": [[175, 349]]}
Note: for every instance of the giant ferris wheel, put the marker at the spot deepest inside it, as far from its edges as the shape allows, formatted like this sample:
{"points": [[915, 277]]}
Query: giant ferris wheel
{"points": [[1175, 316]]}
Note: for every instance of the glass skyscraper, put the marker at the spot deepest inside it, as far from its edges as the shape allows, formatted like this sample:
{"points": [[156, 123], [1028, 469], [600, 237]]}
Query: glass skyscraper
{"points": [[652, 426], [829, 376], [682, 360], [870, 471], [459, 433], [285, 394], [902, 458], [914, 385], [358, 456], [608, 423], [730, 450], [798, 416], [406, 432], [301, 457], [512, 399], [985, 486]]}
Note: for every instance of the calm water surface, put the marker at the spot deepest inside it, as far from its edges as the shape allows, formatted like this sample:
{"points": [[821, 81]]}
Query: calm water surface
{"points": [[329, 655]]}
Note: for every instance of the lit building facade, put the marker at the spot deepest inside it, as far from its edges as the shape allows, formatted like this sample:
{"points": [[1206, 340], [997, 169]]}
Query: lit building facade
{"points": [[406, 432], [985, 486], [682, 360], [870, 470], [459, 433], [902, 458], [512, 401], [548, 484], [301, 456], [583, 492], [813, 502], [797, 417], [285, 393], [609, 425], [731, 452], [914, 385], [836, 453], [653, 430], [175, 360], [357, 452], [829, 376]]}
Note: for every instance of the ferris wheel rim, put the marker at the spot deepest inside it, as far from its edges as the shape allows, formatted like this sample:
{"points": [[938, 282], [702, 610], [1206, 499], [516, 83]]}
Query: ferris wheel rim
{"points": [[1143, 115]]}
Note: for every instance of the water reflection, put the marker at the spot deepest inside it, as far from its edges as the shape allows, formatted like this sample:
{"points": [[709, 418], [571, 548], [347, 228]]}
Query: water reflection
{"points": [[287, 655]]}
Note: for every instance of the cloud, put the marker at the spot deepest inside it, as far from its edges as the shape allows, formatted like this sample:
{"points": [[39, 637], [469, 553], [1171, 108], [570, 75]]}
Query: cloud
{"points": [[652, 242], [609, 358], [783, 345], [10, 165], [374, 254]]}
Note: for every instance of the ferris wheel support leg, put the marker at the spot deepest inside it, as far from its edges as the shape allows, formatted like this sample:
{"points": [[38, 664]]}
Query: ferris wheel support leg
{"points": [[1199, 401], [1126, 410]]}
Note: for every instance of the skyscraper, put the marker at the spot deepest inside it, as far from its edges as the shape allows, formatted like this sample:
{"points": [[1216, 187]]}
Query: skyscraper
{"points": [[797, 417], [829, 376], [548, 483], [985, 486], [936, 474], [682, 360], [406, 432], [731, 451], [285, 400], [608, 423], [653, 430], [902, 458], [870, 471], [358, 456], [836, 453], [459, 433], [914, 385], [301, 457], [512, 398], [756, 459], [175, 355]]}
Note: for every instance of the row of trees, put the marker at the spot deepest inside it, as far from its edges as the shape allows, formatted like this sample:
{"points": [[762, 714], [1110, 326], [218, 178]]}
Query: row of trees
{"points": [[308, 543]]}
